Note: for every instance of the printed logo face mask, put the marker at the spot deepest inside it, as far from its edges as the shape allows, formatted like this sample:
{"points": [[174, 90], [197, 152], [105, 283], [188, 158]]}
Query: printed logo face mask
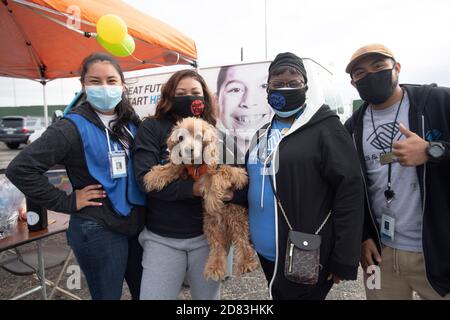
{"points": [[286, 102], [375, 88], [188, 106], [104, 98]]}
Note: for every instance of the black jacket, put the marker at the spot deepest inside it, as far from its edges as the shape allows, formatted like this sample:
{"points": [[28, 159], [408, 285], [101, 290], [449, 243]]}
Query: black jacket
{"points": [[429, 117], [172, 212], [61, 144], [318, 173]]}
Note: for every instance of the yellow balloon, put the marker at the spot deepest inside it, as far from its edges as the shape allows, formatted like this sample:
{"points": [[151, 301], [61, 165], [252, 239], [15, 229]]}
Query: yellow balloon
{"points": [[111, 28], [123, 49]]}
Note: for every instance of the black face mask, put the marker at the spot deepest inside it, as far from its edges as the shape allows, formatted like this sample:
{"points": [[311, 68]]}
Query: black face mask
{"points": [[188, 106], [286, 100], [376, 88]]}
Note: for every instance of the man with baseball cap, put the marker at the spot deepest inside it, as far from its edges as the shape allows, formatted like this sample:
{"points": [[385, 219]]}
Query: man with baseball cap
{"points": [[402, 134]]}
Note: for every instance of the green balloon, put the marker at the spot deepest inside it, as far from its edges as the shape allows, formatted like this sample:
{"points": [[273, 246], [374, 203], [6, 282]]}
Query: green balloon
{"points": [[123, 49]]}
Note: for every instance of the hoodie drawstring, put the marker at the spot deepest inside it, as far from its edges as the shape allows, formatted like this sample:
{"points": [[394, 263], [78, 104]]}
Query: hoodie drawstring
{"points": [[265, 169], [263, 185]]}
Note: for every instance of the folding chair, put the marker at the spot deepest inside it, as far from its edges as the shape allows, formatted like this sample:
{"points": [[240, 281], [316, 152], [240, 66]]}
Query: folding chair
{"points": [[25, 263]]}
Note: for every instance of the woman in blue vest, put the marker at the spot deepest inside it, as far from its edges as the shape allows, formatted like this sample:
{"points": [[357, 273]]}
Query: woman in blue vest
{"points": [[93, 143]]}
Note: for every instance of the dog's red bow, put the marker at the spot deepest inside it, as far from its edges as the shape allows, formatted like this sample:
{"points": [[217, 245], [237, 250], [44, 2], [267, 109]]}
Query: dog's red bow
{"points": [[195, 171]]}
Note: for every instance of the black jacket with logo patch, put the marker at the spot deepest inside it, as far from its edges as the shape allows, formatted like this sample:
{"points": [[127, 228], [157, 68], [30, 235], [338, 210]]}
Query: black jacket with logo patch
{"points": [[429, 117], [318, 172]]}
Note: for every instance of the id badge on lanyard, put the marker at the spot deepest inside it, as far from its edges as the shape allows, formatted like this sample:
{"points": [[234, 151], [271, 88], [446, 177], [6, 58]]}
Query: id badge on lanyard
{"points": [[387, 215], [387, 224], [117, 160]]}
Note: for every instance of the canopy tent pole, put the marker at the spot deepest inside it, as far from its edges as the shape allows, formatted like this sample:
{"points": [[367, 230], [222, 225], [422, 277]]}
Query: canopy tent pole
{"points": [[44, 83], [265, 28], [36, 59]]}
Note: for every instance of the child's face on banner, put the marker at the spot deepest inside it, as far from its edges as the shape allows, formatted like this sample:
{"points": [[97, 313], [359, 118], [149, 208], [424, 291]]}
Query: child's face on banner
{"points": [[243, 98]]}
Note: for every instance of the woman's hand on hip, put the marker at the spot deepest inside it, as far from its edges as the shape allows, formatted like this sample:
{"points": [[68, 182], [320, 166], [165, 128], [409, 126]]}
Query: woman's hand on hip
{"points": [[85, 195]]}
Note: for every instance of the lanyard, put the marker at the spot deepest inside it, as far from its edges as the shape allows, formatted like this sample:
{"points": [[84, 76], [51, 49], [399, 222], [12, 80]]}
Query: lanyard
{"points": [[283, 133], [121, 142], [270, 156], [109, 143], [132, 135], [388, 193]]}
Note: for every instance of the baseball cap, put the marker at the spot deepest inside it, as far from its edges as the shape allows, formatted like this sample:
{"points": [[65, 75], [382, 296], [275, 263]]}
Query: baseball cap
{"points": [[369, 49]]}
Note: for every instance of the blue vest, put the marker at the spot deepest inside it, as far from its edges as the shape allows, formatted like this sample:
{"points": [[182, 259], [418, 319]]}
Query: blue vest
{"points": [[124, 192]]}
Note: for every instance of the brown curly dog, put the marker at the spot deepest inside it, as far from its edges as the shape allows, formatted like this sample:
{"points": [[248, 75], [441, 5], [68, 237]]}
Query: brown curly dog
{"points": [[193, 146]]}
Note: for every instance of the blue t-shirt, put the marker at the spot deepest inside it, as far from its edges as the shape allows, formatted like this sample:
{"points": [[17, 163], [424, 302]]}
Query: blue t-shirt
{"points": [[262, 216]]}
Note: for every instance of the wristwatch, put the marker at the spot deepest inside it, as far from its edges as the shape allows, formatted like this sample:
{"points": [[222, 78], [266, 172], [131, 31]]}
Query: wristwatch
{"points": [[435, 151]]}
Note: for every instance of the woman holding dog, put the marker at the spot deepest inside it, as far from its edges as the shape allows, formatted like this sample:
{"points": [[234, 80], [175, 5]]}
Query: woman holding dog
{"points": [[302, 166], [106, 205], [175, 248]]}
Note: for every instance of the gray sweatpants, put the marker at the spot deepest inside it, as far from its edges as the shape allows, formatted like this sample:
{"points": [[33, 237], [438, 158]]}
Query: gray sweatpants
{"points": [[168, 261]]}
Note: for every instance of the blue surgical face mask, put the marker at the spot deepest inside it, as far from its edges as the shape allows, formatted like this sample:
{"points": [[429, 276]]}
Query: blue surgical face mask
{"points": [[104, 98]]}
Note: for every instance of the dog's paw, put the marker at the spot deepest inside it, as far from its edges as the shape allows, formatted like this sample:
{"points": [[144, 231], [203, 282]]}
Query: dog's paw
{"points": [[239, 178], [215, 271], [248, 265], [154, 181]]}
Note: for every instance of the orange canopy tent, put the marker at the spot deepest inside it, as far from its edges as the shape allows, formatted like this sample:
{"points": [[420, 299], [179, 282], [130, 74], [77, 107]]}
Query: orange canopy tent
{"points": [[48, 39]]}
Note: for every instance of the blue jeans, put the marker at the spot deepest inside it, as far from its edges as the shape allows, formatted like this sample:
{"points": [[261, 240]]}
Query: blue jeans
{"points": [[102, 256]]}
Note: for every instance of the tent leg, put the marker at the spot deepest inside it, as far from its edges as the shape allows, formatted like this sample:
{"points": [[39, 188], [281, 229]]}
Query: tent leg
{"points": [[44, 83]]}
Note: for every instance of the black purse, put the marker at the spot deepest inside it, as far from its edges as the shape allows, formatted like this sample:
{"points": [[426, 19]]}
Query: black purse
{"points": [[302, 260]]}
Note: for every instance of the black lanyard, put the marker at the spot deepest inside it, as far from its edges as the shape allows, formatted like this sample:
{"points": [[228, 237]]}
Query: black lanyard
{"points": [[388, 193], [125, 144]]}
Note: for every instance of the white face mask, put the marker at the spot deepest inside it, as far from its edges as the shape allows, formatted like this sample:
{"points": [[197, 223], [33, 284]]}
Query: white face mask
{"points": [[104, 98]]}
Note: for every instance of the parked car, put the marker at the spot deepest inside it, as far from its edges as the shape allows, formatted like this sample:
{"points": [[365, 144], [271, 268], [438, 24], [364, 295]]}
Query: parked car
{"points": [[15, 130], [58, 114]]}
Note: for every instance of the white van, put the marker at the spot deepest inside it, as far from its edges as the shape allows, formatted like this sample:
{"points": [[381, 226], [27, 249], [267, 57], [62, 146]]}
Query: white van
{"points": [[240, 92]]}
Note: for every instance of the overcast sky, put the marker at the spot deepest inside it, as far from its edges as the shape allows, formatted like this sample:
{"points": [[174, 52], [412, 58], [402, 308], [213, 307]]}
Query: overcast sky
{"points": [[325, 30]]}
